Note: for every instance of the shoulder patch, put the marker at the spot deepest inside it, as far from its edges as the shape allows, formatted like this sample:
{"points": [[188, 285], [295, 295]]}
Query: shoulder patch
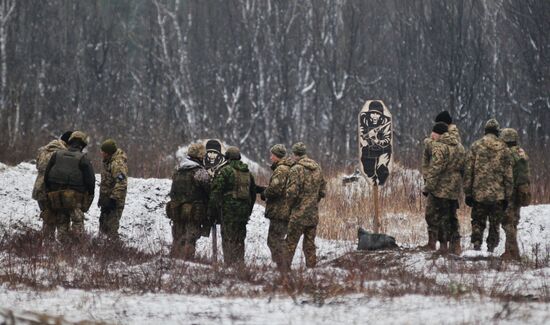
{"points": [[120, 177]]}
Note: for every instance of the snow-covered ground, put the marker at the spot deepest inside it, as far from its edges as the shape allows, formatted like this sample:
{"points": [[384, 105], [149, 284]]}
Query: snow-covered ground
{"points": [[145, 227]]}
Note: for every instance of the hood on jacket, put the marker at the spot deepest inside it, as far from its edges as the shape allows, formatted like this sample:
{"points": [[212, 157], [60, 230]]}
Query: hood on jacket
{"points": [[239, 165], [308, 163], [188, 163], [448, 139], [54, 145], [283, 162]]}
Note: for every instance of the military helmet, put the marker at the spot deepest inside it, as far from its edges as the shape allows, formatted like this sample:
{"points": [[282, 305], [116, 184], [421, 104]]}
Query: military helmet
{"points": [[376, 106], [492, 125], [109, 146], [299, 149], [196, 150], [509, 135], [79, 136], [278, 150], [233, 153]]}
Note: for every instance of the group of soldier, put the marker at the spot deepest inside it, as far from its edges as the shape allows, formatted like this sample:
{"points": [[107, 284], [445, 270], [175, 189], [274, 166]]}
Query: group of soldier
{"points": [[494, 175], [65, 186], [226, 194]]}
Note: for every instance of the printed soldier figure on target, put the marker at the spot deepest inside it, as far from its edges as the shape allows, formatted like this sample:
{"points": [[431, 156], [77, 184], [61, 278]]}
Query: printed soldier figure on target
{"points": [[375, 139], [214, 157]]}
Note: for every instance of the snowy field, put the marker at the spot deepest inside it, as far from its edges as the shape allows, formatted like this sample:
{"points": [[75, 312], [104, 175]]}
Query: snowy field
{"points": [[144, 226]]}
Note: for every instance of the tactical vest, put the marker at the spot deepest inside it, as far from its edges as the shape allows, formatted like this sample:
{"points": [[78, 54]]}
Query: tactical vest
{"points": [[241, 187], [185, 189], [66, 170]]}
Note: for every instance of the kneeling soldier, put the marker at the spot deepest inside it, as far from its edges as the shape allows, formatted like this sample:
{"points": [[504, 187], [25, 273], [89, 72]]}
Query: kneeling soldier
{"points": [[188, 202], [112, 190], [70, 185]]}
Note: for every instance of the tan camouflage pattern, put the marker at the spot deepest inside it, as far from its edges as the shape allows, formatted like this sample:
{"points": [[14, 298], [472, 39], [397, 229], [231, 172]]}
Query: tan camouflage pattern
{"points": [[510, 226], [114, 186], [277, 206], [42, 160], [443, 177], [295, 231], [455, 133], [276, 240], [426, 156], [306, 187], [184, 238], [110, 222], [492, 212], [488, 172]]}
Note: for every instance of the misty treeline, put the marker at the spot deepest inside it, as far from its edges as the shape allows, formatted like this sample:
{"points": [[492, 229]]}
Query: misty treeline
{"points": [[155, 74]]}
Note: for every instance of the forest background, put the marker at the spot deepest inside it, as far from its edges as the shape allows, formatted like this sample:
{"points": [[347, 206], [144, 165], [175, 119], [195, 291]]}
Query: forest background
{"points": [[157, 74]]}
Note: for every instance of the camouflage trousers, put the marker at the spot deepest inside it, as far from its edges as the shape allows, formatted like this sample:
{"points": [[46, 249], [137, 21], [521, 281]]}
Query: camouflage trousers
{"points": [[295, 231], [481, 212], [109, 222], [276, 240], [233, 236], [442, 219], [49, 220], [68, 221], [510, 225], [184, 238]]}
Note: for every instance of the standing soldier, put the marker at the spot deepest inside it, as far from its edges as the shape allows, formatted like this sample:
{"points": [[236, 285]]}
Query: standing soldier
{"points": [[189, 202], [39, 190], [231, 200], [113, 187], [521, 195], [443, 184], [70, 185], [306, 187], [488, 183], [277, 209]]}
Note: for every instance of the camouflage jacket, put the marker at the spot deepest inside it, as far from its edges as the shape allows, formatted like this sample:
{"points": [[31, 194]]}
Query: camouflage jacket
{"points": [[191, 185], [42, 159], [223, 202], [443, 177], [306, 187], [276, 206], [427, 154], [114, 179], [521, 172], [488, 173]]}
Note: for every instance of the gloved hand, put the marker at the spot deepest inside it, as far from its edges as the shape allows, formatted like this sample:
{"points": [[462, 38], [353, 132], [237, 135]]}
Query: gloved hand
{"points": [[469, 201], [425, 193], [260, 189], [262, 196], [108, 206]]}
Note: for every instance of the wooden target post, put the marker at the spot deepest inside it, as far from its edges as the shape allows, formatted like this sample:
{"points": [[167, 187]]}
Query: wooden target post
{"points": [[375, 132]]}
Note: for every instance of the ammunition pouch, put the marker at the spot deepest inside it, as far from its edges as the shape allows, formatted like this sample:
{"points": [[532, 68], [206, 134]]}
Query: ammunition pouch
{"points": [[66, 199], [523, 195]]}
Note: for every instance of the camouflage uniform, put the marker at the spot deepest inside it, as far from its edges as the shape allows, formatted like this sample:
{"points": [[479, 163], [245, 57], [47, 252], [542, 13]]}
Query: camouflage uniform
{"points": [[432, 213], [70, 184], [488, 185], [188, 205], [232, 199], [443, 181], [277, 209], [520, 162], [39, 190], [306, 187], [114, 185]]}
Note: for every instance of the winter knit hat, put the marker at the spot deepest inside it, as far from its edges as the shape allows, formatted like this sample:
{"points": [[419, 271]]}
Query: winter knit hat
{"points": [[196, 150], [492, 126], [299, 149], [109, 146], [444, 117], [65, 136], [440, 128], [509, 135], [233, 153], [278, 150]]}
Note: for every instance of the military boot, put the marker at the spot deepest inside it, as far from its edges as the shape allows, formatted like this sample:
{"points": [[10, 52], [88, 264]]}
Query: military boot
{"points": [[430, 246], [443, 247], [454, 246]]}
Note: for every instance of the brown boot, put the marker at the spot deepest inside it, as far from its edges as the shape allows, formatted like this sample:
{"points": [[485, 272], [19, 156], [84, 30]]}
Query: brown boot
{"points": [[443, 247], [454, 246], [430, 246]]}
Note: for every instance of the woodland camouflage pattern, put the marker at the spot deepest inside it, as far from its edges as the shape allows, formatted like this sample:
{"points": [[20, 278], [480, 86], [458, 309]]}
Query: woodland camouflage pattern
{"points": [[277, 206], [488, 172], [427, 153], [443, 177]]}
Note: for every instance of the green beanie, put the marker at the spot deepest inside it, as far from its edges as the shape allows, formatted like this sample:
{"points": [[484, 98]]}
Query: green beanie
{"points": [[278, 150], [109, 146], [299, 149]]}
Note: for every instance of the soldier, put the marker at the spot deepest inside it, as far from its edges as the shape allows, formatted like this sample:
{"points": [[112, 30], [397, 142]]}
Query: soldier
{"points": [[189, 202], [431, 220], [113, 187], [70, 185], [443, 182], [306, 187], [231, 201], [521, 194], [277, 209], [39, 190], [488, 183], [376, 139]]}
